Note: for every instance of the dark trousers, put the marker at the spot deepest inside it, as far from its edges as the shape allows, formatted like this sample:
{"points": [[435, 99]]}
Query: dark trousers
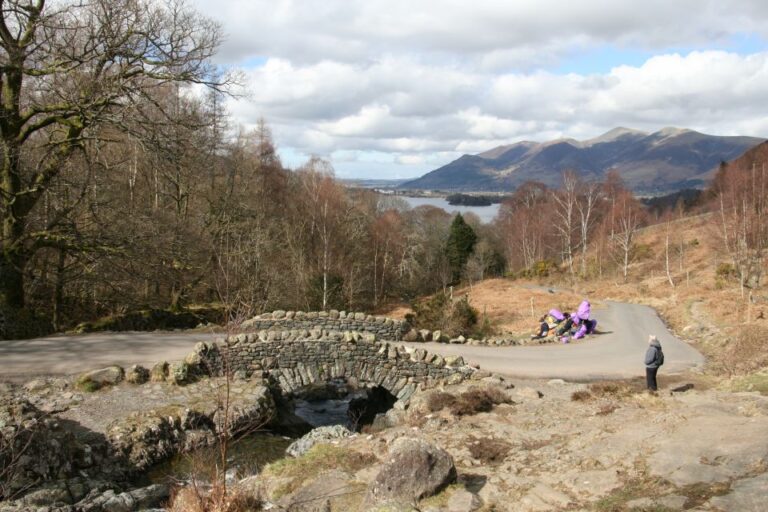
{"points": [[650, 378], [566, 327]]}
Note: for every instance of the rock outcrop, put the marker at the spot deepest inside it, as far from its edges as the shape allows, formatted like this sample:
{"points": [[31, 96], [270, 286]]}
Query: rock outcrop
{"points": [[318, 435], [416, 470]]}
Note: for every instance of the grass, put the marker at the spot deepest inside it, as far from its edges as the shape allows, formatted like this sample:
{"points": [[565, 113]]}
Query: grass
{"points": [[321, 457], [700, 493], [640, 487], [440, 500], [757, 381], [87, 385]]}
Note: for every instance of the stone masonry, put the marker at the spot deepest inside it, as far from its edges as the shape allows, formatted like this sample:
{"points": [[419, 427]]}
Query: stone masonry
{"points": [[295, 364], [384, 328]]}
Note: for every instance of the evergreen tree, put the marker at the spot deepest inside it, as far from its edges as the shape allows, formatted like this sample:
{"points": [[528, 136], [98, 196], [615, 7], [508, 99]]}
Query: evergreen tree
{"points": [[461, 241]]}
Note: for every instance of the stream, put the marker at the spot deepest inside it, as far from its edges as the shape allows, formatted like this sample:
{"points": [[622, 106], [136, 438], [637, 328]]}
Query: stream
{"points": [[319, 406]]}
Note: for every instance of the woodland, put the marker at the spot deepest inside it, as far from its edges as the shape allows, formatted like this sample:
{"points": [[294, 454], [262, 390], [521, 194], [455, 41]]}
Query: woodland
{"points": [[125, 186]]}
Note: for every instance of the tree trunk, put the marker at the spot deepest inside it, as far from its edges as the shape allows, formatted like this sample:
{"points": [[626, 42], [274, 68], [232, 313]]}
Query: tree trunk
{"points": [[58, 291], [12, 280]]}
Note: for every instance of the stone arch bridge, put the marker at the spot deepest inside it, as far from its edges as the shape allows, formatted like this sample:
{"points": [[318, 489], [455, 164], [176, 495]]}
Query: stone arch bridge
{"points": [[294, 364]]}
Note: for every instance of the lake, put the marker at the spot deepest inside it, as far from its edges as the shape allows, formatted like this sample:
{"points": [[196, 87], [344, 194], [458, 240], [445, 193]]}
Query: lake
{"points": [[486, 213]]}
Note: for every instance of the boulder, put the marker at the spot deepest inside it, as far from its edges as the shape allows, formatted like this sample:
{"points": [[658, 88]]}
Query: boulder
{"points": [[425, 334], [454, 361], [416, 470], [159, 372], [438, 336], [137, 374], [412, 335], [178, 373], [316, 436], [108, 376], [36, 385], [137, 499]]}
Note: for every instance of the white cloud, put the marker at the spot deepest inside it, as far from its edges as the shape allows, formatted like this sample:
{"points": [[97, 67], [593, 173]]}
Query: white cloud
{"points": [[416, 83]]}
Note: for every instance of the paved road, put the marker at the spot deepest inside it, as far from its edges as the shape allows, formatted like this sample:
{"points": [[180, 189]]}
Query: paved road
{"points": [[63, 355], [616, 354]]}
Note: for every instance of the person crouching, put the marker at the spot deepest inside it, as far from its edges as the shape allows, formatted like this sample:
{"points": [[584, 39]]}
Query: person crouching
{"points": [[549, 321]]}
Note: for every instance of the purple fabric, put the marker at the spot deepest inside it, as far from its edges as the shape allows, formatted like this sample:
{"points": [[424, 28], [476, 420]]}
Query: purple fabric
{"points": [[581, 332], [584, 310], [557, 314]]}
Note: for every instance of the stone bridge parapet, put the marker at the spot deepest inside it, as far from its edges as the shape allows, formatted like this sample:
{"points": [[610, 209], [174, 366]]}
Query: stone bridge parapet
{"points": [[384, 328], [296, 364]]}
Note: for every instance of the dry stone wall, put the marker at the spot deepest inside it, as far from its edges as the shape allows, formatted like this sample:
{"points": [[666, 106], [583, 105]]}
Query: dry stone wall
{"points": [[384, 328], [295, 364]]}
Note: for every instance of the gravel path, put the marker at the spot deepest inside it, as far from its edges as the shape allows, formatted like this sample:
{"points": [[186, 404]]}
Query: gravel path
{"points": [[616, 354]]}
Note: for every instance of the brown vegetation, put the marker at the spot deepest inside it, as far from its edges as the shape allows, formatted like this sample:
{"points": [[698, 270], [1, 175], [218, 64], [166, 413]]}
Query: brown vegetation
{"points": [[470, 402], [193, 499], [488, 450]]}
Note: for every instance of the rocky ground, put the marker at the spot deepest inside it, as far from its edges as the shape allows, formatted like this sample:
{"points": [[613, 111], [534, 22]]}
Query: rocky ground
{"points": [[518, 445], [560, 446]]}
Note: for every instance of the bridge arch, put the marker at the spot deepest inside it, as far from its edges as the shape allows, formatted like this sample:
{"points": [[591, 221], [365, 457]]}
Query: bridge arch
{"points": [[296, 364]]}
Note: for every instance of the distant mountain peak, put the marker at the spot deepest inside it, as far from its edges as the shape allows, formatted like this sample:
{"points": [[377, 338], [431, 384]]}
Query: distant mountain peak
{"points": [[664, 161], [671, 131], [615, 134]]}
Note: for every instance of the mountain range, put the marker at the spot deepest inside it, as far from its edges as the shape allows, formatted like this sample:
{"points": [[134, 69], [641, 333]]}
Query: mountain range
{"points": [[650, 163]]}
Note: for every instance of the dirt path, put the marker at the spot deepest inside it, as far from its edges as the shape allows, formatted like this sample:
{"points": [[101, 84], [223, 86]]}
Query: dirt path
{"points": [[616, 354]]}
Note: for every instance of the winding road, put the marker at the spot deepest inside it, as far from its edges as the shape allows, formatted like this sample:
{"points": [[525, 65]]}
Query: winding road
{"points": [[617, 353]]}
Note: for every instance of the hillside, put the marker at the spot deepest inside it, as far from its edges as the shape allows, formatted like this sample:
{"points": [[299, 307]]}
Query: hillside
{"points": [[667, 160]]}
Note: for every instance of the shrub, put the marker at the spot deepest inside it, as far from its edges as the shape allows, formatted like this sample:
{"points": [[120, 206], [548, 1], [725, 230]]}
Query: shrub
{"points": [[580, 396], [616, 389], [477, 400], [489, 450], [440, 313], [726, 271], [486, 328], [747, 352], [439, 400], [463, 318], [194, 498], [540, 269], [641, 252]]}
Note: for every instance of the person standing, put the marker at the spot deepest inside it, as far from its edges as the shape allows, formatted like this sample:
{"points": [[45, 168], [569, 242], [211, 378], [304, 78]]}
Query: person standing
{"points": [[654, 358]]}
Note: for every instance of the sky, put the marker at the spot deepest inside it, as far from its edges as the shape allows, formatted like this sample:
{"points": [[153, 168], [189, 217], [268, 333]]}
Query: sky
{"points": [[392, 89]]}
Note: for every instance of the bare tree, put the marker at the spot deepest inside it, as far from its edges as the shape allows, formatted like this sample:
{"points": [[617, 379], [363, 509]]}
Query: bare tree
{"points": [[627, 218], [743, 205], [588, 197], [566, 199], [69, 70]]}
